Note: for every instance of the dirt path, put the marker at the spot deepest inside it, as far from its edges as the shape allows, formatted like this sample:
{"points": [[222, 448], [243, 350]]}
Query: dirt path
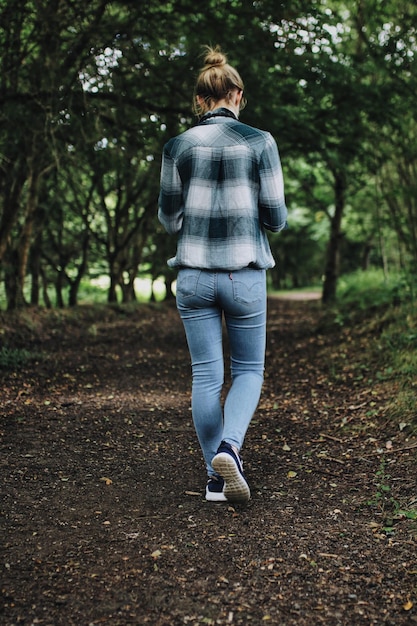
{"points": [[104, 520]]}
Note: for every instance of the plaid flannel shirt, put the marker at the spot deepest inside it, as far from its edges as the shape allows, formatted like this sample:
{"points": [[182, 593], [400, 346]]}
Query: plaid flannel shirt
{"points": [[221, 187]]}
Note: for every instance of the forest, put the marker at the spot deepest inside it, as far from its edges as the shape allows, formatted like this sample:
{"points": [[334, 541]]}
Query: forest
{"points": [[91, 91], [104, 519]]}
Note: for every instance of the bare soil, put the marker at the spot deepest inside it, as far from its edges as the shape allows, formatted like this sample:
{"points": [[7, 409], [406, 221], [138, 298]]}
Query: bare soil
{"points": [[103, 513]]}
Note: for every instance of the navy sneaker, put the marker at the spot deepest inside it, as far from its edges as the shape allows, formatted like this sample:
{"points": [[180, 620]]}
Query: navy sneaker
{"points": [[228, 464], [214, 489]]}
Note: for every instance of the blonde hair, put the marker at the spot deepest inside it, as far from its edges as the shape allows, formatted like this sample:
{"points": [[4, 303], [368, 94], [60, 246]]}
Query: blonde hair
{"points": [[216, 81]]}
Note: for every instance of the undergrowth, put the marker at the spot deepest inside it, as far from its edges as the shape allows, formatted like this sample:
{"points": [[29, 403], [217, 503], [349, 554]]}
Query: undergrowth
{"points": [[12, 358], [390, 508], [386, 310], [371, 290]]}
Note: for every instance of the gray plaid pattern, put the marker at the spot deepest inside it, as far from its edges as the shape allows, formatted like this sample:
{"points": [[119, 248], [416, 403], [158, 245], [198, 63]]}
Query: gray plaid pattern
{"points": [[221, 187]]}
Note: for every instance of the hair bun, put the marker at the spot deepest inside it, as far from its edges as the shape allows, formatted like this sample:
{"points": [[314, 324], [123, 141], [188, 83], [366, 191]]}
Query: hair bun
{"points": [[216, 82], [214, 58]]}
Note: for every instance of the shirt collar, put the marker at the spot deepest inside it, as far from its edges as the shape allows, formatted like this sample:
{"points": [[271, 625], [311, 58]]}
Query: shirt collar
{"points": [[220, 112]]}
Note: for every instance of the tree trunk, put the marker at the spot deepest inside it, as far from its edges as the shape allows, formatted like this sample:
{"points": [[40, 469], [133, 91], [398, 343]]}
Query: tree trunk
{"points": [[366, 255], [12, 283], [332, 257], [18, 256], [128, 292], [35, 271], [59, 286], [12, 192], [112, 293], [35, 276], [75, 284], [45, 294]]}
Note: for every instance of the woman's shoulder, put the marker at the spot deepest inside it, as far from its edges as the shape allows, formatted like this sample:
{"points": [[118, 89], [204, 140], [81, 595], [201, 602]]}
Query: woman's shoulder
{"points": [[252, 131], [254, 136], [194, 135]]}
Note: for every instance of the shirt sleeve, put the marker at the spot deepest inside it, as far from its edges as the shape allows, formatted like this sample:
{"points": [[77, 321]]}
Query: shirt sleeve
{"points": [[170, 202], [272, 208]]}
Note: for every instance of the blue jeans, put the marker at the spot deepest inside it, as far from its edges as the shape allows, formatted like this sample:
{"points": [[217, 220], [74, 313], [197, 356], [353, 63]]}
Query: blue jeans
{"points": [[203, 297]]}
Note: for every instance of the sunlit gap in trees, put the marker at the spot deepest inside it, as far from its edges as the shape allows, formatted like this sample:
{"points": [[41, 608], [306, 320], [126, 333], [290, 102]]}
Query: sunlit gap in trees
{"points": [[305, 31], [105, 62]]}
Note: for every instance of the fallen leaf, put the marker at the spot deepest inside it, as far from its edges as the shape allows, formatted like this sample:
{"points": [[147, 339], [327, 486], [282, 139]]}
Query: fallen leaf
{"points": [[106, 480], [408, 605], [291, 474]]}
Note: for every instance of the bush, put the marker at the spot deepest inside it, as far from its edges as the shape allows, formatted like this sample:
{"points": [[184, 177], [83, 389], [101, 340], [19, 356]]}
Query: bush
{"points": [[371, 289]]}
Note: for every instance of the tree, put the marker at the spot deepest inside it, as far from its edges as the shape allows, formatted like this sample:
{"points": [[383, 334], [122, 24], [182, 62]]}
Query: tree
{"points": [[43, 49], [90, 93]]}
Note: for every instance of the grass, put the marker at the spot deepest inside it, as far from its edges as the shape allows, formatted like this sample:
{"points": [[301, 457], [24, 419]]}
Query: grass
{"points": [[388, 310], [371, 289], [314, 289], [12, 358], [389, 507]]}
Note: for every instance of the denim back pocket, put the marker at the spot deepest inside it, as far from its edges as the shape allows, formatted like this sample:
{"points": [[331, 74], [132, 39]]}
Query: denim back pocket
{"points": [[187, 282], [248, 286]]}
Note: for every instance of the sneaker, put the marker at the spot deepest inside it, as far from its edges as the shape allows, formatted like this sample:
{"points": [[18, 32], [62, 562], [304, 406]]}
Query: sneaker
{"points": [[214, 489], [228, 464]]}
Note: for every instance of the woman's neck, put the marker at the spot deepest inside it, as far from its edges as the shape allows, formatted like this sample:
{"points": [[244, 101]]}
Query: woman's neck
{"points": [[226, 104]]}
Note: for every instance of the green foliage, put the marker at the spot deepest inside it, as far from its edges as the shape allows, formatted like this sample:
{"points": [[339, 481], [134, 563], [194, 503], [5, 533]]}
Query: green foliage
{"points": [[93, 292], [13, 358], [371, 289], [398, 344], [300, 250], [384, 501], [382, 497], [91, 91], [387, 308], [403, 408]]}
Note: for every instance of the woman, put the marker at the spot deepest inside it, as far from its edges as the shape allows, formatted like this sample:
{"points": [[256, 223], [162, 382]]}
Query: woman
{"points": [[221, 187]]}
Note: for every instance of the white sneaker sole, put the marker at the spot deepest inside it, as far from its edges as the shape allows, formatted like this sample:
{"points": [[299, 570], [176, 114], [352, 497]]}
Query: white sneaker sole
{"points": [[236, 489], [215, 496]]}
